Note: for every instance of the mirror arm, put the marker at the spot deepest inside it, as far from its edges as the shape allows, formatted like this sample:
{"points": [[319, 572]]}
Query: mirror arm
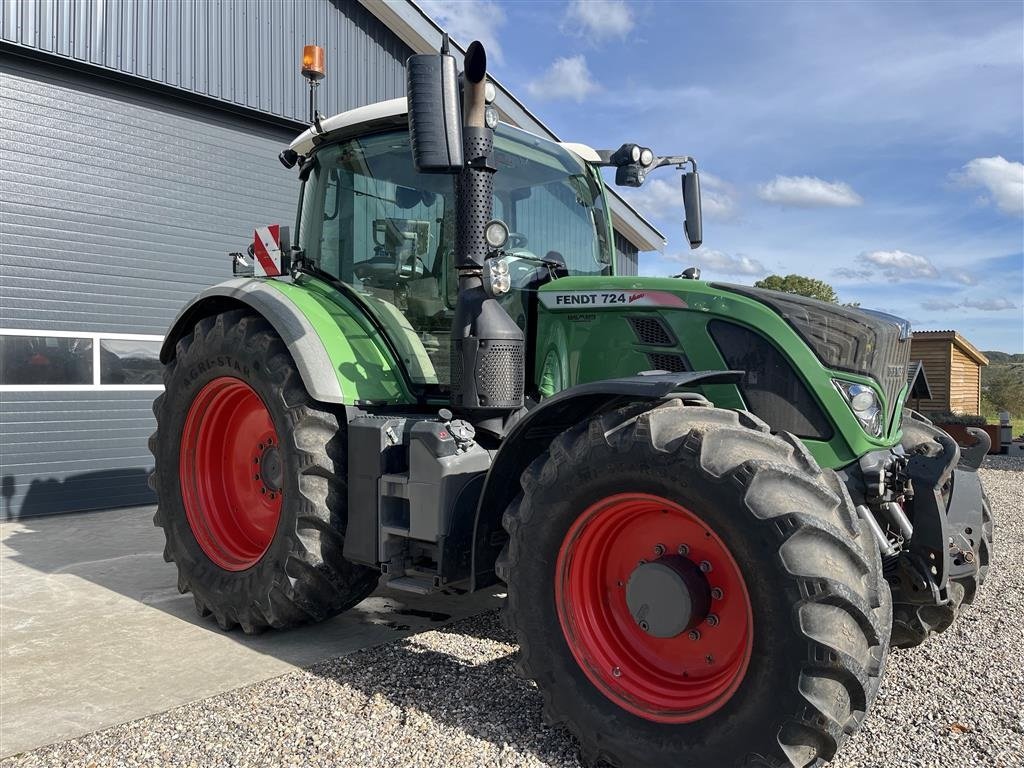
{"points": [[679, 161]]}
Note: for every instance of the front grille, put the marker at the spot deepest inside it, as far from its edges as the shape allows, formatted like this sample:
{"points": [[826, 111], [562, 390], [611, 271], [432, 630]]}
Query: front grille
{"points": [[652, 331], [858, 341], [893, 376], [660, 361]]}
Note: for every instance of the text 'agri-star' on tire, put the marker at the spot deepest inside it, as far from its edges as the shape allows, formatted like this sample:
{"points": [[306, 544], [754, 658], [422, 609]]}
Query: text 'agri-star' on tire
{"points": [[690, 590], [250, 481]]}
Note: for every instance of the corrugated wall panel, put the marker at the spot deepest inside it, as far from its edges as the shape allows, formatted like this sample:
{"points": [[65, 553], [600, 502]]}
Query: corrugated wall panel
{"points": [[126, 213], [626, 256], [244, 52], [132, 207], [64, 451]]}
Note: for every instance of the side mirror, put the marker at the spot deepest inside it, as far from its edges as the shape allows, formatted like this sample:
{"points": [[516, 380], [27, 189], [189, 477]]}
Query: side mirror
{"points": [[435, 116], [692, 226]]}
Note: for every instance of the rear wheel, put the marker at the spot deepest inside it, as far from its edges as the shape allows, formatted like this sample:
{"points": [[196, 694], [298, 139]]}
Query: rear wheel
{"points": [[688, 589], [250, 481]]}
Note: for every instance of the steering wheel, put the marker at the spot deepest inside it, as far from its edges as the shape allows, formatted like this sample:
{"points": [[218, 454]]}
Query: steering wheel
{"points": [[386, 271]]}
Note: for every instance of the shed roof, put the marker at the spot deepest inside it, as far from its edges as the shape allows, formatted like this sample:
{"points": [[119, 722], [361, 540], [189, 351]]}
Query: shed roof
{"points": [[955, 338]]}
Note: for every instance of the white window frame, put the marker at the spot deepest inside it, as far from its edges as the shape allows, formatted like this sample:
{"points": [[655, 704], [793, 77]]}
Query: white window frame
{"points": [[95, 338]]}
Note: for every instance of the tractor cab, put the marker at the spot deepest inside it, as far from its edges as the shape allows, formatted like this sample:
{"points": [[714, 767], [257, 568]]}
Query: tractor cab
{"points": [[370, 220]]}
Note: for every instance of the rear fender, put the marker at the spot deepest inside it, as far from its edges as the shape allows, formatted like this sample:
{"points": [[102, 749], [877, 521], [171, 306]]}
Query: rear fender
{"points": [[533, 433], [334, 353]]}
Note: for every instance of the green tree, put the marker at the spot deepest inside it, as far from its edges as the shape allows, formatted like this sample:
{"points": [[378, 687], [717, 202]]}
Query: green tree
{"points": [[804, 286], [1002, 387]]}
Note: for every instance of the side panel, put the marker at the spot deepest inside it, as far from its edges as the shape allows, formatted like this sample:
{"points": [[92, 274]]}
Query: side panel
{"points": [[585, 333], [335, 347]]}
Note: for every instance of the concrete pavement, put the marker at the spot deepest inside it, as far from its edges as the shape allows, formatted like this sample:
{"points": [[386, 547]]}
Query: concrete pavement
{"points": [[93, 631]]}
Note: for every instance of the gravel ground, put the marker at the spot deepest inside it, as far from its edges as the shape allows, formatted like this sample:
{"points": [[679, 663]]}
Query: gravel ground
{"points": [[451, 697]]}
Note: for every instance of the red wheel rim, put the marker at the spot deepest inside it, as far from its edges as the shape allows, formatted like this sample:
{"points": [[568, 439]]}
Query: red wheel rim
{"points": [[231, 473], [669, 680]]}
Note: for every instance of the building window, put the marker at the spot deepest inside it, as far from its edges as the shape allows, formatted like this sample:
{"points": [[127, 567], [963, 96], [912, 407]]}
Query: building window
{"points": [[47, 360], [39, 361], [130, 361]]}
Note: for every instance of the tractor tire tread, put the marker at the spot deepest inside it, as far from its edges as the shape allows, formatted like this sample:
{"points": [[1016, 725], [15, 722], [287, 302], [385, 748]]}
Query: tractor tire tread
{"points": [[312, 581], [846, 609]]}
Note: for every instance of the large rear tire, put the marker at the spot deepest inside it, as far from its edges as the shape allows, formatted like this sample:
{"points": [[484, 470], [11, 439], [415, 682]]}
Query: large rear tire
{"points": [[788, 660], [250, 479]]}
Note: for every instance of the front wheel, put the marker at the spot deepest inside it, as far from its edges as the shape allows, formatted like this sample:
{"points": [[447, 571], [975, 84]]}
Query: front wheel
{"points": [[250, 481], [688, 589]]}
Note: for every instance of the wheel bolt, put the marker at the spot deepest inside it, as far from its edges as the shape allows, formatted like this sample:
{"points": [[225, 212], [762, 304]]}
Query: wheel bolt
{"points": [[255, 477], [659, 550], [694, 634], [705, 566], [616, 672], [644, 626], [717, 593], [709, 659], [263, 490], [712, 619], [272, 497], [256, 460], [261, 446], [683, 550]]}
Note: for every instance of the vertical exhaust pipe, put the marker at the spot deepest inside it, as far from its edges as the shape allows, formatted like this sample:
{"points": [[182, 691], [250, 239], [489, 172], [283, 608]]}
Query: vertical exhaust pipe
{"points": [[488, 355], [488, 348]]}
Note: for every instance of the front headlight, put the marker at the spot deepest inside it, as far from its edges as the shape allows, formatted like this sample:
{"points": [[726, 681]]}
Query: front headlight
{"points": [[864, 403]]}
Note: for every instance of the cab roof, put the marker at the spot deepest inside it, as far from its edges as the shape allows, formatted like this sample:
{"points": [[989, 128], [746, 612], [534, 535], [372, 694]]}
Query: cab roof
{"points": [[393, 108]]}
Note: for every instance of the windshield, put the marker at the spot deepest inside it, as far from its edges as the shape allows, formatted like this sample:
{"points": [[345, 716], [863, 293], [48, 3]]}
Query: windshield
{"points": [[370, 220]]}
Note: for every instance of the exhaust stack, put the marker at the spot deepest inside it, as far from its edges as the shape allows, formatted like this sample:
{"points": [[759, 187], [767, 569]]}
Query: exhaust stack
{"points": [[488, 355]]}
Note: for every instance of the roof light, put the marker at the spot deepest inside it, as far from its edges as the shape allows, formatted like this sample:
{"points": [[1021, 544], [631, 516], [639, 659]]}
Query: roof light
{"points": [[314, 66]]}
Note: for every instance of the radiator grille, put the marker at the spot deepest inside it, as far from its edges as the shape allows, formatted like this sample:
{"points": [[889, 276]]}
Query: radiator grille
{"points": [[660, 361], [652, 331]]}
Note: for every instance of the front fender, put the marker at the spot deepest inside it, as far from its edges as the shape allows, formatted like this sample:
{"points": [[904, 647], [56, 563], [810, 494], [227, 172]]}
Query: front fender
{"points": [[333, 344], [533, 433]]}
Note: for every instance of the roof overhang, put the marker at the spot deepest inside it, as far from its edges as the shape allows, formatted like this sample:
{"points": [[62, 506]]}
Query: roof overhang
{"points": [[957, 340], [419, 32]]}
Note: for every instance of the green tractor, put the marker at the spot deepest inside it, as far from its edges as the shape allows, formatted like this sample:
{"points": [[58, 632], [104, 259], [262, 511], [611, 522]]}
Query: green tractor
{"points": [[712, 513]]}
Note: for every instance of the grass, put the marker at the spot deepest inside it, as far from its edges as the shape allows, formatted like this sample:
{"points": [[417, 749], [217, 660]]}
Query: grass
{"points": [[1017, 422]]}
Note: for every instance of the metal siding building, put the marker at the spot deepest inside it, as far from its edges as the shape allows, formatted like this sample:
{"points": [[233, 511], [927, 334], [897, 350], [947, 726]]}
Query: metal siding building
{"points": [[138, 146]]}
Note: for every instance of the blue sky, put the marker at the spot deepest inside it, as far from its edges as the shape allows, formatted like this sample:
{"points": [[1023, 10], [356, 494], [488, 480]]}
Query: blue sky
{"points": [[876, 146]]}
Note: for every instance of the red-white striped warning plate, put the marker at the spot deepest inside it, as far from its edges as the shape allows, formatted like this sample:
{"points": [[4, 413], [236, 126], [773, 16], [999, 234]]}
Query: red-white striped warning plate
{"points": [[267, 247]]}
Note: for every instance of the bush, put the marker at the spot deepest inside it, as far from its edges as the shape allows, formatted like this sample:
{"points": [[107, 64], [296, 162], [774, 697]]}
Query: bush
{"points": [[956, 419]]}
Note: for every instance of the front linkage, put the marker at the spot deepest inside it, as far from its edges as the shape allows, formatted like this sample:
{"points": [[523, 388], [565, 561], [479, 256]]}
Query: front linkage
{"points": [[925, 505]]}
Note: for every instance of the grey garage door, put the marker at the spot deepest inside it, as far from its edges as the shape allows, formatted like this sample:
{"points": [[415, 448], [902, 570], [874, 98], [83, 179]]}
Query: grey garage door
{"points": [[116, 206]]}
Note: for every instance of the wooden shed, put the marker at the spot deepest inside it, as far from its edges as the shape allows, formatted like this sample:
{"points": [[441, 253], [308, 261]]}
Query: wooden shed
{"points": [[953, 369]]}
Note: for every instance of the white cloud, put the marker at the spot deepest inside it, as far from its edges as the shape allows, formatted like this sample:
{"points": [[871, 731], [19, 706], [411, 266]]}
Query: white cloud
{"points": [[658, 197], [900, 265], [469, 20], [988, 305], [982, 305], [1001, 178], [964, 278], [566, 78], [852, 274], [717, 197], [719, 261], [598, 19], [939, 305], [808, 192]]}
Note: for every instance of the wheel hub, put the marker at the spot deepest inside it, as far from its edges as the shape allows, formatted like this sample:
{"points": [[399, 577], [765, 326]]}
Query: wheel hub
{"points": [[654, 607], [668, 596], [271, 468]]}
